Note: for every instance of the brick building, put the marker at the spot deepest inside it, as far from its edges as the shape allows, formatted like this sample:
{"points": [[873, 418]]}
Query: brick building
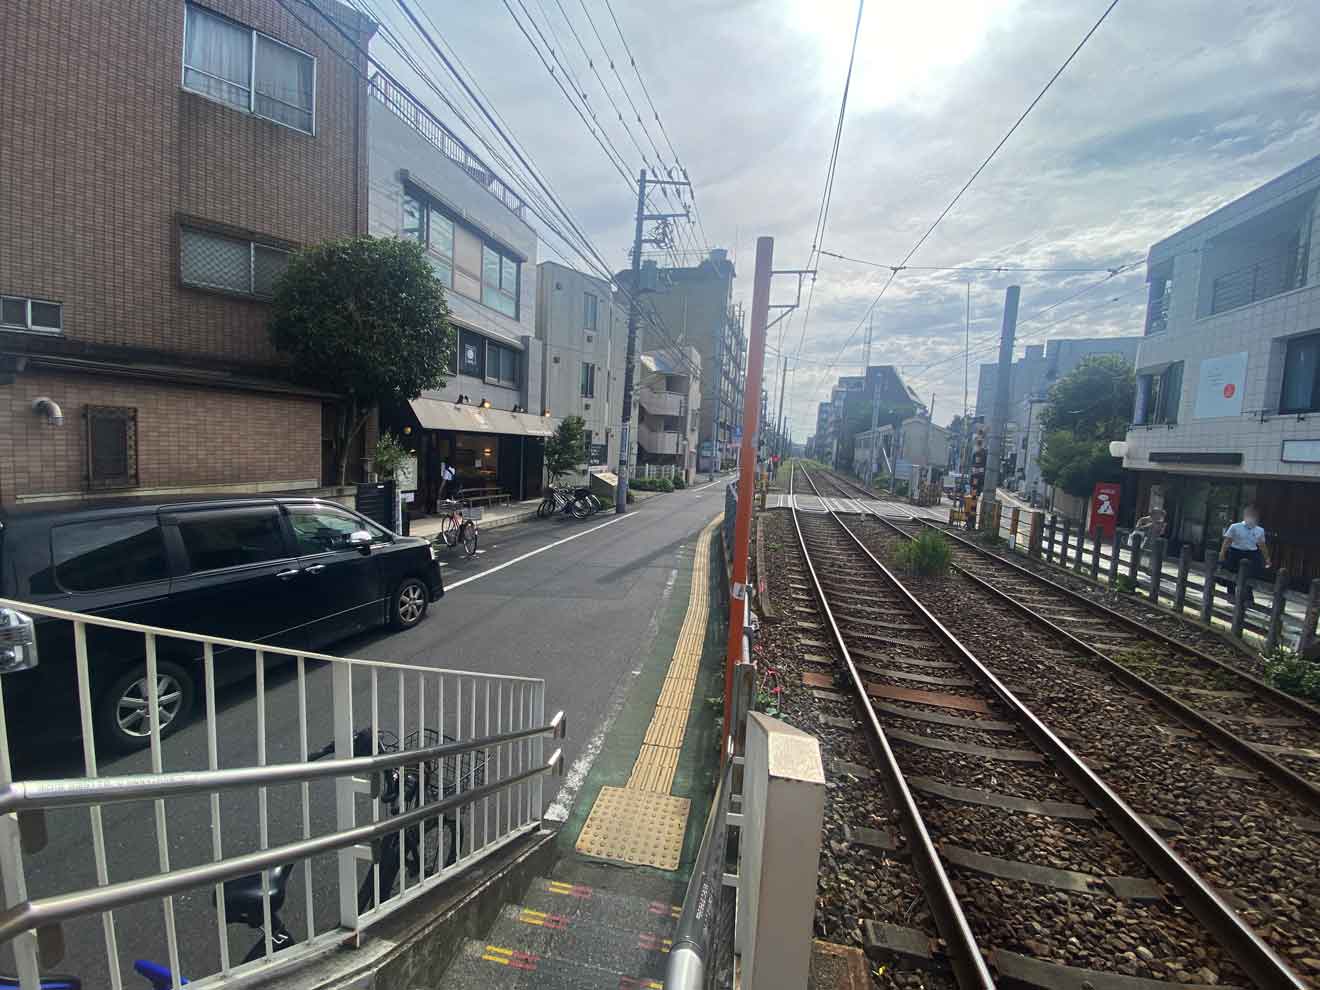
{"points": [[171, 154]]}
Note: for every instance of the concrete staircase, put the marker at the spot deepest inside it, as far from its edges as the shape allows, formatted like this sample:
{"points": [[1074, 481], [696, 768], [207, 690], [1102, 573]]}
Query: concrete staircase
{"points": [[569, 936]]}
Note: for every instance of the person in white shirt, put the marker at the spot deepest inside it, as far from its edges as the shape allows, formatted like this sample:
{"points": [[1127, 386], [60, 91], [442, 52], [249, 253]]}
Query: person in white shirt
{"points": [[446, 478], [1245, 540]]}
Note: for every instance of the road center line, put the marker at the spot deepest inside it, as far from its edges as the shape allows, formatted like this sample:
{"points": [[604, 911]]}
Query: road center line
{"points": [[533, 553], [711, 484]]}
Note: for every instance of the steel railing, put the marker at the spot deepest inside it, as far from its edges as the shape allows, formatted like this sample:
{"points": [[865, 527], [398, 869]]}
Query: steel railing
{"points": [[422, 121], [459, 758], [1270, 276]]}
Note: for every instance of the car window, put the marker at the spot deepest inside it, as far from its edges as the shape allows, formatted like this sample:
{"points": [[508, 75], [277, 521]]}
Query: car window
{"points": [[322, 529], [231, 537], [108, 553]]}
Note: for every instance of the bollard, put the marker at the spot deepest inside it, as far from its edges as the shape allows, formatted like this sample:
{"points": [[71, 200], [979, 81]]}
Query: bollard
{"points": [[1134, 562], [1277, 604], [1240, 598], [1114, 544], [1308, 638], [1180, 586], [1035, 533], [1208, 589], [1067, 535], [1157, 550], [1095, 557]]}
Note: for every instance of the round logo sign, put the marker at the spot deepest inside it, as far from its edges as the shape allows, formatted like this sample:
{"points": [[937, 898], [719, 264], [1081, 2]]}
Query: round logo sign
{"points": [[1229, 389]]}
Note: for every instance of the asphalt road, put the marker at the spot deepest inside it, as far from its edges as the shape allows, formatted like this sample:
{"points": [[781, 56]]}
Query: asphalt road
{"points": [[574, 602]]}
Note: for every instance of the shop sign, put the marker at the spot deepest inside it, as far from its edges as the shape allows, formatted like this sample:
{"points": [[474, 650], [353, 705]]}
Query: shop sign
{"points": [[1104, 509], [1221, 385]]}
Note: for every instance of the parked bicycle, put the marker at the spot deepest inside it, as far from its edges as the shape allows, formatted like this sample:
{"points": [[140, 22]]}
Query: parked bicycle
{"points": [[458, 526], [427, 847], [577, 501]]}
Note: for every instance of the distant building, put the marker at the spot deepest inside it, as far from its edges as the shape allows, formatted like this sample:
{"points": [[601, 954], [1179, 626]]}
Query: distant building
{"points": [[694, 306], [916, 444], [584, 336], [1228, 374], [668, 410], [425, 185], [850, 404]]}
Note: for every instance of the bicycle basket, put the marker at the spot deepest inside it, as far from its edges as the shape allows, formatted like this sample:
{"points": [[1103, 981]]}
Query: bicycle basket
{"points": [[467, 770], [472, 512]]}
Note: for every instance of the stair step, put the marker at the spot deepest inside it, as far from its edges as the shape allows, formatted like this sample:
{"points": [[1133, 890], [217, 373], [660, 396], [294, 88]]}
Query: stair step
{"points": [[589, 906], [485, 964], [621, 951]]}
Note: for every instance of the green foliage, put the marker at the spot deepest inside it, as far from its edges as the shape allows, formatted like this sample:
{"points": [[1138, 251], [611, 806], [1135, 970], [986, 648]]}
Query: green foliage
{"points": [[567, 448], [366, 318], [928, 555], [1289, 671], [1077, 464], [664, 485], [679, 483], [388, 456], [1094, 400], [1124, 584]]}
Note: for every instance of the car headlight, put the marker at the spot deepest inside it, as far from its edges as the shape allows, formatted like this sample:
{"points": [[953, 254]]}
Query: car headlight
{"points": [[18, 641], [431, 547]]}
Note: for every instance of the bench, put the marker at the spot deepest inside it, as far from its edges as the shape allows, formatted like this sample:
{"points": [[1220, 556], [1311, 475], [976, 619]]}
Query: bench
{"points": [[489, 495]]}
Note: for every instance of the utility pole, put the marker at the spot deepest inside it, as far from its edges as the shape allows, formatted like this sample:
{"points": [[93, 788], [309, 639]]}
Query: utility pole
{"points": [[765, 247], [875, 399], [717, 452], [634, 300], [1003, 383], [779, 431]]}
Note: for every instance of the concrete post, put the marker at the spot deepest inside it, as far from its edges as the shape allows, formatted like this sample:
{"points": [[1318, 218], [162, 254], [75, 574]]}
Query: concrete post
{"points": [[1180, 586], [1309, 622], [1013, 522], [1114, 545], [1208, 588], [1134, 564], [1095, 556], [784, 807], [1049, 538], [1157, 550], [1033, 540], [1277, 604], [1240, 597], [1067, 538]]}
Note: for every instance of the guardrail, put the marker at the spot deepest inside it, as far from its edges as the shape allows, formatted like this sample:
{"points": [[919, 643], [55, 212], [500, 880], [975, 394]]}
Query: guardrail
{"points": [[450, 773]]}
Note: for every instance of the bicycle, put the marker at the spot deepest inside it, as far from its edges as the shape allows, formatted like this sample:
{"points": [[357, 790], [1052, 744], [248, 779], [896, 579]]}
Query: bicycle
{"points": [[578, 502], [455, 529]]}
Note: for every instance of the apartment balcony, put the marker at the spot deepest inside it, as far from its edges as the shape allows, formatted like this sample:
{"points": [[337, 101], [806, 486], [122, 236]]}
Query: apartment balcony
{"points": [[655, 441], [1262, 279], [662, 403]]}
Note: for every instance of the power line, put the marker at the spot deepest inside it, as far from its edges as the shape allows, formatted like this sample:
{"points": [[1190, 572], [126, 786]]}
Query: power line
{"points": [[960, 268]]}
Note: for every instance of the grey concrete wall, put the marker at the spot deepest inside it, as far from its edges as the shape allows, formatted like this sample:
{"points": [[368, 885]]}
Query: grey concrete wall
{"points": [[1040, 367]]}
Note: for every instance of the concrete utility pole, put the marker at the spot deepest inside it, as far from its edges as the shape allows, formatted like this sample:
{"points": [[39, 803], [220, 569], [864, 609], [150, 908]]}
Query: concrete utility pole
{"points": [[875, 399], [634, 300], [779, 429], [1003, 388], [742, 529]]}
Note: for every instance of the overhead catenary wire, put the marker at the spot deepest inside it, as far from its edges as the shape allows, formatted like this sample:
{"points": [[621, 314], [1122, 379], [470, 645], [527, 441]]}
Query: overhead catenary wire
{"points": [[961, 268]]}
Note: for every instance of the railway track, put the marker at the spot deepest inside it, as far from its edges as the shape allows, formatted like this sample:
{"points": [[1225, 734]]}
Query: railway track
{"points": [[1034, 869]]}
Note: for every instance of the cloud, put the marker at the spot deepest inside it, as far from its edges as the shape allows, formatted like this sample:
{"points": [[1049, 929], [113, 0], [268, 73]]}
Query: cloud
{"points": [[1168, 112]]}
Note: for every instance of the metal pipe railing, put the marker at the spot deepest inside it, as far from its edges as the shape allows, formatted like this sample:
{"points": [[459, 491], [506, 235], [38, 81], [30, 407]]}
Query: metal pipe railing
{"points": [[34, 914], [690, 951]]}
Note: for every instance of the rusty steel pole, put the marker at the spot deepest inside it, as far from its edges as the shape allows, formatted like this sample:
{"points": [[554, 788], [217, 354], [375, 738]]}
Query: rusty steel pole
{"points": [[742, 529]]}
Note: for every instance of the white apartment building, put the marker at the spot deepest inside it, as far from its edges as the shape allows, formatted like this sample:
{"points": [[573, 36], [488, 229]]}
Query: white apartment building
{"points": [[669, 409], [1228, 387]]}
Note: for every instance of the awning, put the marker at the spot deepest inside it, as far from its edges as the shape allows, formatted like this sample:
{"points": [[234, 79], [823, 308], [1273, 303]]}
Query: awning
{"points": [[441, 414]]}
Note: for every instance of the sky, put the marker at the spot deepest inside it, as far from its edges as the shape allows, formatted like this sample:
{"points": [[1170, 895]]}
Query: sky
{"points": [[1169, 111]]}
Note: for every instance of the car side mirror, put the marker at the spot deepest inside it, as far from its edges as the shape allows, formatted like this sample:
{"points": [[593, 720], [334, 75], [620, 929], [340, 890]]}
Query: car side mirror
{"points": [[360, 540]]}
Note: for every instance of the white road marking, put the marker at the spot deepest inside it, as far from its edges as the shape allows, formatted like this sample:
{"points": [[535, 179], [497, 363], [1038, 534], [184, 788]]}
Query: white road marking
{"points": [[533, 553], [711, 484]]}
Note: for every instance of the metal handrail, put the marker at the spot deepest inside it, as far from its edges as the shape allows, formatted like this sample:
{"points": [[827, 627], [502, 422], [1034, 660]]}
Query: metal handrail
{"points": [[686, 969], [159, 631], [33, 914], [34, 795]]}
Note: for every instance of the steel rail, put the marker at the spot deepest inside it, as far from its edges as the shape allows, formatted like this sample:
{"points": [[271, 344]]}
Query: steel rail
{"points": [[1261, 762], [965, 955], [44, 911], [36, 795], [1219, 918]]}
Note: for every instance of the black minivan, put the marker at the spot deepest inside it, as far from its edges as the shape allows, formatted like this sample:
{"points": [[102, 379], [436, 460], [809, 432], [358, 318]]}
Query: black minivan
{"points": [[298, 573]]}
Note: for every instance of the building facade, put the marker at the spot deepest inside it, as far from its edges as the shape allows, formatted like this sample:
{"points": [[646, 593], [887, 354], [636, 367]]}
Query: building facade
{"points": [[669, 410], [1228, 372], [694, 306], [916, 445], [584, 336], [148, 214], [489, 420]]}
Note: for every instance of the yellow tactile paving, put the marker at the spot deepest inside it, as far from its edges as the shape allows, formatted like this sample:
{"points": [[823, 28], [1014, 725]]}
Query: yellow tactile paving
{"points": [[641, 823]]}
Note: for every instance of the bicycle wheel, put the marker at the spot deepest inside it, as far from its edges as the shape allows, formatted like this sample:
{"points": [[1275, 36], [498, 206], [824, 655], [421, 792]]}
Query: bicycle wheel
{"points": [[449, 531], [579, 508], [546, 508], [469, 536]]}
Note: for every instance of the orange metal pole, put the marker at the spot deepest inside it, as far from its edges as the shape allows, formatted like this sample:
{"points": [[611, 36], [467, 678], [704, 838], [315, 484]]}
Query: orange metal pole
{"points": [[742, 528]]}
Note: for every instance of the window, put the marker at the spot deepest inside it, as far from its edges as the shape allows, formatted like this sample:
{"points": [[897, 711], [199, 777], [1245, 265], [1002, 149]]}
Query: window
{"points": [[588, 380], [589, 311], [108, 553], [1161, 295], [111, 433], [31, 314], [248, 70], [499, 281], [501, 364], [1301, 376], [213, 261], [440, 246], [471, 354], [322, 529], [231, 537], [1158, 396]]}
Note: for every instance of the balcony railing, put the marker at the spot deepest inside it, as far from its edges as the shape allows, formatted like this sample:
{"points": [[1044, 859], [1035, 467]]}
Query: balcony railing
{"points": [[659, 441], [662, 403], [1268, 277], [422, 121]]}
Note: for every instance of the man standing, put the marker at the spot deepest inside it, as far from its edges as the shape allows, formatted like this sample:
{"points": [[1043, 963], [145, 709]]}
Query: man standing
{"points": [[1245, 540]]}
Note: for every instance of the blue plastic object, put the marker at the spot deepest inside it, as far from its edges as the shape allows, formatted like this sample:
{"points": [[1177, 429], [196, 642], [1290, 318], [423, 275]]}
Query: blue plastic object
{"points": [[157, 975]]}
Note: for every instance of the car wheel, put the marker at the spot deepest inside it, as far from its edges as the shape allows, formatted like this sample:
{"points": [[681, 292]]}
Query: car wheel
{"points": [[409, 604], [123, 715]]}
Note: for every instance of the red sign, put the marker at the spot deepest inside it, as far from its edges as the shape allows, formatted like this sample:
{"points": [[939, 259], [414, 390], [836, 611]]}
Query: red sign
{"points": [[1104, 509], [1229, 390]]}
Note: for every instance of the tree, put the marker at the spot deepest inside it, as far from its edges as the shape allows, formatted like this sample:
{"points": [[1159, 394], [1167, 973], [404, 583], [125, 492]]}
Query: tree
{"points": [[1093, 400], [567, 448], [364, 317], [1088, 407]]}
